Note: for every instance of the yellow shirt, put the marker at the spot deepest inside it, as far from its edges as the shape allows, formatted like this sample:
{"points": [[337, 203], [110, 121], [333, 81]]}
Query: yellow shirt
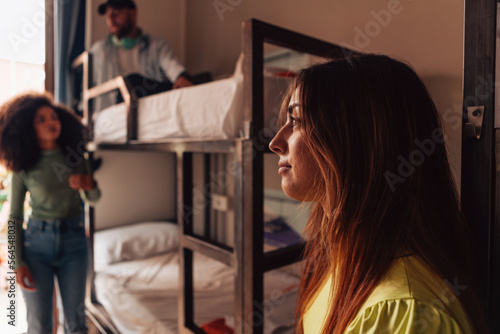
{"points": [[401, 303]]}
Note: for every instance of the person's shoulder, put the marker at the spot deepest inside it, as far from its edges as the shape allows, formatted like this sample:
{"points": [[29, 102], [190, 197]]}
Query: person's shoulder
{"points": [[409, 277], [150, 37], [410, 299], [406, 315], [99, 45], [19, 175], [395, 285], [153, 40]]}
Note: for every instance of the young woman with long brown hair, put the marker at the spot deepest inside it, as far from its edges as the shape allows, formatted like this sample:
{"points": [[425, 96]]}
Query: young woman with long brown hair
{"points": [[388, 248]]}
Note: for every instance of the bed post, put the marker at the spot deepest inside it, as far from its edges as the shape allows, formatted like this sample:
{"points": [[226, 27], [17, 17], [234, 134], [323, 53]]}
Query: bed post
{"points": [[252, 261], [85, 61], [185, 313], [132, 102], [249, 286]]}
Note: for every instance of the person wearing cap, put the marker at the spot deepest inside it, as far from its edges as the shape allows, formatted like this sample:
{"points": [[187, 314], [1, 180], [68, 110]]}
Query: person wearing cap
{"points": [[128, 51]]}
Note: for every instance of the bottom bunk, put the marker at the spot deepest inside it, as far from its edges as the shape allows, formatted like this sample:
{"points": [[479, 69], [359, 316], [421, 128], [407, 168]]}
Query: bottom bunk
{"points": [[137, 282], [136, 277]]}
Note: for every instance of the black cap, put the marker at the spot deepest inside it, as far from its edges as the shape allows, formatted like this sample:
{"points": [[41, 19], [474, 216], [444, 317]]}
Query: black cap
{"points": [[118, 4]]}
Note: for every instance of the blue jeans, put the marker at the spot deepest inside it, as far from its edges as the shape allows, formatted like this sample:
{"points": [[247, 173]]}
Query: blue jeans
{"points": [[56, 248]]}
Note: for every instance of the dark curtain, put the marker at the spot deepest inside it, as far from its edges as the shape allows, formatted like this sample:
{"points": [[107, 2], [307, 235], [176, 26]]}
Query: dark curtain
{"points": [[69, 39]]}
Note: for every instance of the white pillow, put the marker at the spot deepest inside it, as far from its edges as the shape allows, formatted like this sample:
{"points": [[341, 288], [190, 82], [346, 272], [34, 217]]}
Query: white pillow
{"points": [[134, 241]]}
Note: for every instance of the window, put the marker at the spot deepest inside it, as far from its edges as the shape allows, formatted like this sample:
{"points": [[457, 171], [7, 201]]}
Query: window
{"points": [[22, 51]]}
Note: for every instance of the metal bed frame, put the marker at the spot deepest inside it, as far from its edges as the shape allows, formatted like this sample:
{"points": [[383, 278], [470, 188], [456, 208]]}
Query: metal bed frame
{"points": [[247, 256]]}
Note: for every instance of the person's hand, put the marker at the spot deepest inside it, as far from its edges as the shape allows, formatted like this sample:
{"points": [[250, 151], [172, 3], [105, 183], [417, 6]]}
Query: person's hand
{"points": [[81, 181], [182, 82], [23, 278]]}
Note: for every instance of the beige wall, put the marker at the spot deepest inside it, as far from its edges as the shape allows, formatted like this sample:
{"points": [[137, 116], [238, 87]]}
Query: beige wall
{"points": [[427, 34], [135, 186]]}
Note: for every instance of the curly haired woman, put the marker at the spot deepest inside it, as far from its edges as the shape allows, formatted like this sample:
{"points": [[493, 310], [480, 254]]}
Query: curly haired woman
{"points": [[43, 144]]}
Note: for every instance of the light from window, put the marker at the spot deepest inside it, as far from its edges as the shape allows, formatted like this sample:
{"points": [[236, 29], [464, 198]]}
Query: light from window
{"points": [[22, 51]]}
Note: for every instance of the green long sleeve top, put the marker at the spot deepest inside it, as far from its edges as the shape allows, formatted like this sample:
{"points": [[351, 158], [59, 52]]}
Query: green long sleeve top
{"points": [[51, 197]]}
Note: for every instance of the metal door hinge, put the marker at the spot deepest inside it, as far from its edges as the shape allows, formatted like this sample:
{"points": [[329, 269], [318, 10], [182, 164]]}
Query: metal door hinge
{"points": [[474, 123]]}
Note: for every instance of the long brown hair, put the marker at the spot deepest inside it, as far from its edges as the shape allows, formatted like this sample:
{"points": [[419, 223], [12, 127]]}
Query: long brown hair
{"points": [[375, 133]]}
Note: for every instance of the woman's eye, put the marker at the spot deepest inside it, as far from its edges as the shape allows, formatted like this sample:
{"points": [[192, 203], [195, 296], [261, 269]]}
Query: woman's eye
{"points": [[293, 121]]}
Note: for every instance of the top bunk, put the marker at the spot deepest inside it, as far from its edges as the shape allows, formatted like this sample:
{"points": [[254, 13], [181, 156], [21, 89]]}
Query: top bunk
{"points": [[210, 117]]}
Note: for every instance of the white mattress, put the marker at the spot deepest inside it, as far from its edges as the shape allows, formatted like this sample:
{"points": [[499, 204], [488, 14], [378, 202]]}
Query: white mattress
{"points": [[211, 110], [141, 296]]}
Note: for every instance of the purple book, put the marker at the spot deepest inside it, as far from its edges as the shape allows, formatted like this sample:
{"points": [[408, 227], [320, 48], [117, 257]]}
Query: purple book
{"points": [[279, 234]]}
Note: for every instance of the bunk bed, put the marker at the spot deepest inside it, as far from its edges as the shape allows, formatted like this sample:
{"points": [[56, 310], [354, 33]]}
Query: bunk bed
{"points": [[244, 145], [137, 281]]}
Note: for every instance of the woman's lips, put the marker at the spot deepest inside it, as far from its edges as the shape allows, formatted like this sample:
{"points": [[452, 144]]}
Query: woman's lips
{"points": [[283, 168]]}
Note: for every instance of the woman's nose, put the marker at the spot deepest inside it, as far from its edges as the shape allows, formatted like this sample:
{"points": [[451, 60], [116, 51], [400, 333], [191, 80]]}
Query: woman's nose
{"points": [[277, 144]]}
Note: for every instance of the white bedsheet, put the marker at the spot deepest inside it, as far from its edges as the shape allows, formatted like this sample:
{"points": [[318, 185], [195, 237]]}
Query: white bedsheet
{"points": [[211, 110], [141, 296], [207, 110]]}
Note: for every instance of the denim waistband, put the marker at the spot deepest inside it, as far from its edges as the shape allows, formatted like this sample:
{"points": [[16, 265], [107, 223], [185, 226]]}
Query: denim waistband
{"points": [[62, 224]]}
